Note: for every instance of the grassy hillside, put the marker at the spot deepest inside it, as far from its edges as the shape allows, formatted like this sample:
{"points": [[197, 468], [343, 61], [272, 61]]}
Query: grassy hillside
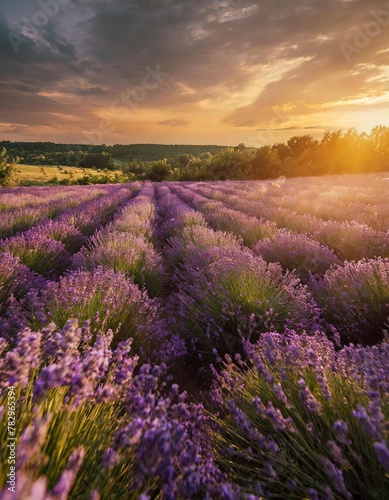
{"points": [[49, 153], [155, 152], [26, 174]]}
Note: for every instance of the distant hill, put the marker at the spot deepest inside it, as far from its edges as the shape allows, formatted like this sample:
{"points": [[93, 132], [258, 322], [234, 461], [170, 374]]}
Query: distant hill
{"points": [[49, 153], [151, 152]]}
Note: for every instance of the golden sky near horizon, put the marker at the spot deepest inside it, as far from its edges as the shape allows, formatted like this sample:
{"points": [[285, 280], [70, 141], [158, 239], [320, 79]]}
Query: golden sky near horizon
{"points": [[185, 72]]}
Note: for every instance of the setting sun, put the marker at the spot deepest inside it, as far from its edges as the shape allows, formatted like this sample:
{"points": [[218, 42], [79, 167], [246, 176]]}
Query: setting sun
{"points": [[171, 72]]}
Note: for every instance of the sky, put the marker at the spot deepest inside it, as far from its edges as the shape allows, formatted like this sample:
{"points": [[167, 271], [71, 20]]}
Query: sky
{"points": [[191, 71]]}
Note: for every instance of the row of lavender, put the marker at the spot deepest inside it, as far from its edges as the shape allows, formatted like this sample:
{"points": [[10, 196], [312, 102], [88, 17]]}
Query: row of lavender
{"points": [[81, 403], [290, 417], [45, 250], [350, 239], [85, 254], [20, 212], [290, 414], [352, 297], [362, 199]]}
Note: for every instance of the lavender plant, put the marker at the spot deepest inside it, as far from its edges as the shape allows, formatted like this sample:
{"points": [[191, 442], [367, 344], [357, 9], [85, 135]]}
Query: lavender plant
{"points": [[355, 299], [127, 245], [15, 280], [191, 242], [88, 423], [137, 219], [105, 297], [40, 254], [57, 230], [19, 220], [176, 214], [132, 255], [95, 361], [297, 252], [234, 297], [53, 203], [300, 420], [249, 229], [97, 212]]}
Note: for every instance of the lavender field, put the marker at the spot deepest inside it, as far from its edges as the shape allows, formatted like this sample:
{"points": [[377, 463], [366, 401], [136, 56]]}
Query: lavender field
{"points": [[219, 340]]}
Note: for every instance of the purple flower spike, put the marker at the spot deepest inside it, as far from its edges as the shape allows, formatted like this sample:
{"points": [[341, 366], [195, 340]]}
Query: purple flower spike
{"points": [[382, 453]]}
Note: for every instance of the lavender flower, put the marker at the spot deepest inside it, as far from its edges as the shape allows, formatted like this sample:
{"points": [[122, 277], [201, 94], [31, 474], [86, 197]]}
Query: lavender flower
{"points": [[32, 440], [297, 251], [308, 399], [382, 453], [354, 298], [132, 255], [65, 483], [17, 363], [42, 255], [15, 280], [336, 476], [341, 429], [100, 294]]}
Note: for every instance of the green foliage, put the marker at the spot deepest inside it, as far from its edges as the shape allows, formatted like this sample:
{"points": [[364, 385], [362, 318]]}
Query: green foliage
{"points": [[231, 163], [379, 139], [91, 425], [338, 152], [82, 181], [154, 152], [299, 144], [160, 171], [266, 163], [136, 168], [6, 168], [97, 160], [49, 153]]}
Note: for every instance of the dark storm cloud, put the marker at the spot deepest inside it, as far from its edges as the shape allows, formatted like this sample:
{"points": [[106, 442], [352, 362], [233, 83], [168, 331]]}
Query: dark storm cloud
{"points": [[42, 56], [100, 50], [42, 61]]}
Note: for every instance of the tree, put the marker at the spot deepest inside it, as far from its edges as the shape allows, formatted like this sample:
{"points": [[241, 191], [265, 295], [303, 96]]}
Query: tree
{"points": [[207, 156], [97, 160], [331, 140], [6, 168], [379, 140], [184, 160], [266, 164], [230, 163], [160, 171], [135, 169], [301, 143], [282, 149]]}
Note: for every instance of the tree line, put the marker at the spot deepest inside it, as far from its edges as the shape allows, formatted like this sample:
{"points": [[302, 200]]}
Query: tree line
{"points": [[87, 156], [338, 152]]}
